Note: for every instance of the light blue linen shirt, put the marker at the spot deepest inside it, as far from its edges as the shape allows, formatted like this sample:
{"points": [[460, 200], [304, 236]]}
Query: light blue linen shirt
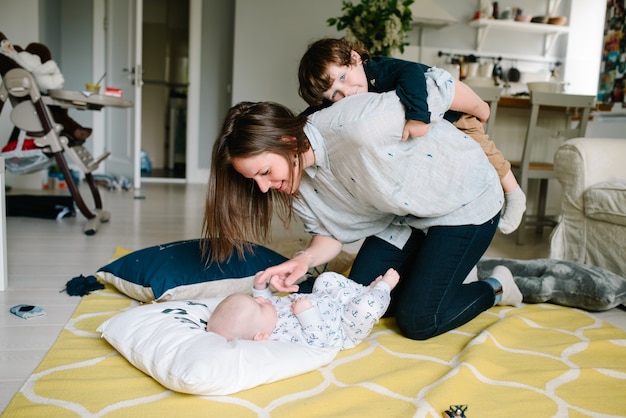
{"points": [[367, 181]]}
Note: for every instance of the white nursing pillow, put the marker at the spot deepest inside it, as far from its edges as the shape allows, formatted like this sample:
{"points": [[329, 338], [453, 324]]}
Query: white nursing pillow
{"points": [[169, 342]]}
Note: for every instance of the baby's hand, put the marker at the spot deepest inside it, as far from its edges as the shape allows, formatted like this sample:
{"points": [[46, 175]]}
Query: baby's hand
{"points": [[301, 304], [259, 284], [414, 129]]}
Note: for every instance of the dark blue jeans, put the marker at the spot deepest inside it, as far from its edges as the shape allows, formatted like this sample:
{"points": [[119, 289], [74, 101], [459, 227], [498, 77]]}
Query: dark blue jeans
{"points": [[431, 298]]}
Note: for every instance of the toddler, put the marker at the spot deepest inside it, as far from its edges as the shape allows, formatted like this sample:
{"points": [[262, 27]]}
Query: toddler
{"points": [[332, 69], [339, 313]]}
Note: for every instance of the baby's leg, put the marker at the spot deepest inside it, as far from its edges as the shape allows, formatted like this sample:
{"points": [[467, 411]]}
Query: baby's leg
{"points": [[362, 311], [391, 277], [330, 282], [361, 307]]}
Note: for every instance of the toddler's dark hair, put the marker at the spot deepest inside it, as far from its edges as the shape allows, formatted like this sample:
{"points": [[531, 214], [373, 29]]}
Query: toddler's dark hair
{"points": [[313, 72]]}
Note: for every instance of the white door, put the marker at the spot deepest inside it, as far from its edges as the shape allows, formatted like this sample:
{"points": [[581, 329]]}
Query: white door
{"points": [[123, 67]]}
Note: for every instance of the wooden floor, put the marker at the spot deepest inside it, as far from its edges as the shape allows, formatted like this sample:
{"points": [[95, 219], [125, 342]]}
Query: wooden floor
{"points": [[44, 254]]}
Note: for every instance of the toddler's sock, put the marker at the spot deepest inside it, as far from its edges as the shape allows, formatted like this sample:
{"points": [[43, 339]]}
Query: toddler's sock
{"points": [[507, 292], [514, 208]]}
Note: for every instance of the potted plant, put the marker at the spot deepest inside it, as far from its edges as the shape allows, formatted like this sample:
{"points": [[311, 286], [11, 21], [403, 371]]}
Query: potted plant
{"points": [[380, 25]]}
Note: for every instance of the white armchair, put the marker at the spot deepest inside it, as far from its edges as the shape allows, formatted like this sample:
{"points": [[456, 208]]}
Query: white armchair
{"points": [[592, 227]]}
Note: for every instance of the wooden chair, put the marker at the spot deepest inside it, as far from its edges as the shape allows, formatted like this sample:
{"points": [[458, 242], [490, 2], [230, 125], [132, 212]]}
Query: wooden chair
{"points": [[573, 107]]}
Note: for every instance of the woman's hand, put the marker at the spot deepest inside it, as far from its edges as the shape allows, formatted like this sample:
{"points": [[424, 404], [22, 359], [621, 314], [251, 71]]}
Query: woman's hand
{"points": [[283, 276]]}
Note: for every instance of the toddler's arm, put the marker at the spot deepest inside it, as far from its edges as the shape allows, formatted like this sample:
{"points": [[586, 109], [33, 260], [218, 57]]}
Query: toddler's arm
{"points": [[408, 80]]}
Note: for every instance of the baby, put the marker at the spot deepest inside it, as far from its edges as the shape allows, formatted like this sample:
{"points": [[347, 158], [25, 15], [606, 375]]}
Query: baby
{"points": [[338, 314]]}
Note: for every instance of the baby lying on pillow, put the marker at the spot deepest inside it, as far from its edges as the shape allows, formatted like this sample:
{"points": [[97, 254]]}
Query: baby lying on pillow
{"points": [[338, 314]]}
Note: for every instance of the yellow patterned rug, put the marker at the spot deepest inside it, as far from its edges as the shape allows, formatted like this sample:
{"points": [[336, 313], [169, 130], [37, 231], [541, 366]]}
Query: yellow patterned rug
{"points": [[534, 361]]}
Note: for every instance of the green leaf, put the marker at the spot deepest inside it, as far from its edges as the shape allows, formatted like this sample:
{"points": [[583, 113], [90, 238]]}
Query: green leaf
{"points": [[368, 21]]}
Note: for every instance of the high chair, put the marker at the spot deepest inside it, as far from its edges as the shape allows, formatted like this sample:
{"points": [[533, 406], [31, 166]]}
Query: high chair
{"points": [[30, 113], [540, 131]]}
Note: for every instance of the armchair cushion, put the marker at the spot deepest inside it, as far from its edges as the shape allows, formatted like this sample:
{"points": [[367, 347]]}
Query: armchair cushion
{"points": [[606, 201], [592, 227]]}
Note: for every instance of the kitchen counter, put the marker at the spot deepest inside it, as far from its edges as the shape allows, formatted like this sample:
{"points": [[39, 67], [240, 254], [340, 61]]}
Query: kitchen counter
{"points": [[522, 102]]}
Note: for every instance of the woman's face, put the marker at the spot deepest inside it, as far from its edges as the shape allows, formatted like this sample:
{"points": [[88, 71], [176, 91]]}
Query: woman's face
{"points": [[347, 80], [269, 171]]}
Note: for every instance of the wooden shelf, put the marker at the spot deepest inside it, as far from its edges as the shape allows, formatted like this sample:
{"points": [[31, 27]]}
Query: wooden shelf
{"points": [[551, 32]]}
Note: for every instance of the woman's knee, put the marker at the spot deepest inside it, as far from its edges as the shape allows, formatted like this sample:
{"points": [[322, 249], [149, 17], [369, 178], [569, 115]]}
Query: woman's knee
{"points": [[416, 328]]}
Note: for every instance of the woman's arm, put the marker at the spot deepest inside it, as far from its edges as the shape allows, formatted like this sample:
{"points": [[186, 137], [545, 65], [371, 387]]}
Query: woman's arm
{"points": [[283, 276], [467, 101]]}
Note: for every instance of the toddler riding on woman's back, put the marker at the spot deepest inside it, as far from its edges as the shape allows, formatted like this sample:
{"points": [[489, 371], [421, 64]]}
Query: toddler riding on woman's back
{"points": [[332, 69]]}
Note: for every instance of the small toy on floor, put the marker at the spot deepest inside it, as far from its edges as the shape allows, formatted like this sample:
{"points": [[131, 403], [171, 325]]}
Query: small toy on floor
{"points": [[113, 182], [455, 411], [27, 311]]}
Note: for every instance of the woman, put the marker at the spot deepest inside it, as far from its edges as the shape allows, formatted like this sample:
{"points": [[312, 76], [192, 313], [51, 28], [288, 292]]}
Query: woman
{"points": [[427, 207]]}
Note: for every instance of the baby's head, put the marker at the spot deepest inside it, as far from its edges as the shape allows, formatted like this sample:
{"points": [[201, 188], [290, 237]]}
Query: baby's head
{"points": [[313, 74], [242, 317]]}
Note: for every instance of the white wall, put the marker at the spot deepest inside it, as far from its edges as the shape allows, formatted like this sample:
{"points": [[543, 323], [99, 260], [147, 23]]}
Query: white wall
{"points": [[215, 80], [13, 17], [271, 36], [584, 47]]}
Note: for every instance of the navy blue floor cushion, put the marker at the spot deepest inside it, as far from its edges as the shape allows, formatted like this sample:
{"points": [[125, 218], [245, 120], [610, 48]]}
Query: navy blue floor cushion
{"points": [[176, 271]]}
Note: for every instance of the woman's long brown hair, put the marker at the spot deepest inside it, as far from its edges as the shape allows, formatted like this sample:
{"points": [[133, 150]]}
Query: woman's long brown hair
{"points": [[237, 213]]}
